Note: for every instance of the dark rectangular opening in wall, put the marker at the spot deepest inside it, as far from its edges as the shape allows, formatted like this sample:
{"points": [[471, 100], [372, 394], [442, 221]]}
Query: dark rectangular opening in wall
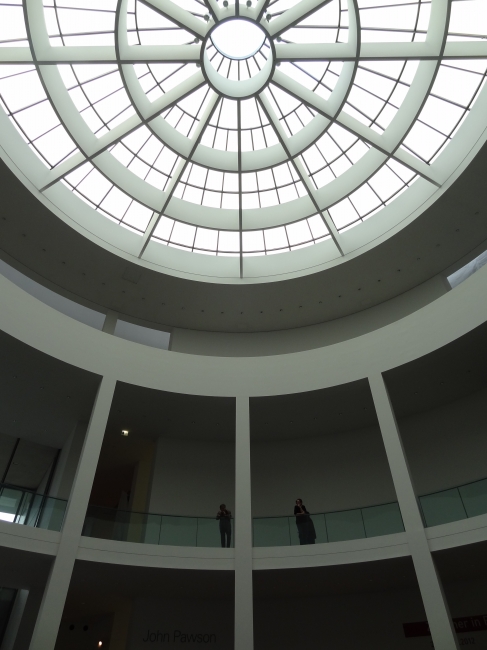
{"points": [[163, 482]]}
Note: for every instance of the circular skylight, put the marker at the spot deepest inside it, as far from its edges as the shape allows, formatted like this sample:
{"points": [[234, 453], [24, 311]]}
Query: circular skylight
{"points": [[172, 131], [237, 38]]}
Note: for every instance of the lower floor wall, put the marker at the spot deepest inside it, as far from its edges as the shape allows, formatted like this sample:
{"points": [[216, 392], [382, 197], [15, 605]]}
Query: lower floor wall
{"points": [[182, 623]]}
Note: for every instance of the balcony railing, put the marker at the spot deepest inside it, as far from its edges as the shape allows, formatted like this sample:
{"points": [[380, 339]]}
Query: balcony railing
{"points": [[437, 508], [146, 528], [461, 502], [31, 509], [331, 526]]}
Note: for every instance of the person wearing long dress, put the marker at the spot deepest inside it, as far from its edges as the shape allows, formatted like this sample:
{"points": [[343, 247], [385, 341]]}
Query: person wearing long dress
{"points": [[304, 523]]}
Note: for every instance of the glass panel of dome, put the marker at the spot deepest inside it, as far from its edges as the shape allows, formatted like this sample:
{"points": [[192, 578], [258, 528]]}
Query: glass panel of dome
{"points": [[12, 27], [468, 19], [249, 121]]}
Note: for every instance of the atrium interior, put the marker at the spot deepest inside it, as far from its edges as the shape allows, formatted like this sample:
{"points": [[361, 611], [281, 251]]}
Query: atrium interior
{"points": [[243, 268]]}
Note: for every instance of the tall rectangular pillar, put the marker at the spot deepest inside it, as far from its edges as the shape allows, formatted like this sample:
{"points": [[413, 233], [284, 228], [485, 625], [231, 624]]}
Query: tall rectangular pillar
{"points": [[436, 607], [244, 614], [51, 610]]}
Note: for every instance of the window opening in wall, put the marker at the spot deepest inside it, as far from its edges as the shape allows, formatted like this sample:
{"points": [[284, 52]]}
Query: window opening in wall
{"points": [[466, 271], [55, 300], [140, 334]]}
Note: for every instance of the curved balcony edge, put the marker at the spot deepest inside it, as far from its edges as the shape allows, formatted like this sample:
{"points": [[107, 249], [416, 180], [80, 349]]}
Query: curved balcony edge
{"points": [[152, 555], [26, 538]]}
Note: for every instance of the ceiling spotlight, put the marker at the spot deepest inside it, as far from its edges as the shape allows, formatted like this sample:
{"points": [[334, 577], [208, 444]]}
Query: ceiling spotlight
{"points": [[249, 3], [268, 16], [207, 17], [225, 3], [125, 432]]}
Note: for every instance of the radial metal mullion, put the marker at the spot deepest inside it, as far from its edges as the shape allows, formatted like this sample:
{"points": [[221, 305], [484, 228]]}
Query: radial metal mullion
{"points": [[214, 9], [359, 130], [294, 15], [117, 134], [178, 15], [264, 102], [14, 55], [239, 168], [262, 10], [198, 134]]}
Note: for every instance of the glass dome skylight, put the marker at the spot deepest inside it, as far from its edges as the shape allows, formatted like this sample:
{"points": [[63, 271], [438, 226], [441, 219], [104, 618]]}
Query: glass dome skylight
{"points": [[239, 129]]}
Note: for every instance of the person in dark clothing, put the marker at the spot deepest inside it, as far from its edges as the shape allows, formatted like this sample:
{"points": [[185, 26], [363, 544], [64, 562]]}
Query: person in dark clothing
{"points": [[304, 523], [224, 516]]}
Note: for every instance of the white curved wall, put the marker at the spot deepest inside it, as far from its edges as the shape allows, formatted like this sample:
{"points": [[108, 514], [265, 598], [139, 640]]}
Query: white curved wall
{"points": [[417, 334]]}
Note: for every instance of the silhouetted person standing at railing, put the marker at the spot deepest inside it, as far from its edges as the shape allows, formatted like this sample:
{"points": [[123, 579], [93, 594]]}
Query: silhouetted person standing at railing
{"points": [[306, 529], [224, 516]]}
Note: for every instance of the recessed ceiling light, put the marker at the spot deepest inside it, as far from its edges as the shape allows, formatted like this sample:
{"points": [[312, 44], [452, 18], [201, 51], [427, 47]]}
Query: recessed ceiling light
{"points": [[125, 432]]}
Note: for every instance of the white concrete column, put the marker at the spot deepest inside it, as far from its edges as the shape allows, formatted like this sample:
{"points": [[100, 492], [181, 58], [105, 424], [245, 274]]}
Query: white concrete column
{"points": [[435, 604], [244, 614], [110, 322], [51, 610], [62, 481]]}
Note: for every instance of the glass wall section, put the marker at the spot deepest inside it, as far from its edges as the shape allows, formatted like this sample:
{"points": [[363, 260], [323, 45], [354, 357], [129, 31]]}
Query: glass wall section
{"points": [[463, 573], [325, 448], [166, 464], [44, 409], [440, 403], [365, 605], [138, 607]]}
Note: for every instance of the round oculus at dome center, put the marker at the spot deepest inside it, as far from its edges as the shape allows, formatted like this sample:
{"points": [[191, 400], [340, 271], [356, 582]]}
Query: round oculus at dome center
{"points": [[238, 38]]}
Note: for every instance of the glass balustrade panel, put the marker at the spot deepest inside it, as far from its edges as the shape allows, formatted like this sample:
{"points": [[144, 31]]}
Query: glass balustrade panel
{"points": [[474, 497], [319, 524], [10, 503], [152, 529], [209, 533], [293, 531], [342, 526], [178, 531], [52, 514], [442, 507], [382, 520], [102, 523], [273, 531]]}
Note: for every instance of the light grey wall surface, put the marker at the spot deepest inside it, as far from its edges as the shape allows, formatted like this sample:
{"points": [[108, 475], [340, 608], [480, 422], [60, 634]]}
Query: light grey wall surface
{"points": [[192, 477], [222, 344], [334, 472], [53, 299], [447, 446], [411, 337]]}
